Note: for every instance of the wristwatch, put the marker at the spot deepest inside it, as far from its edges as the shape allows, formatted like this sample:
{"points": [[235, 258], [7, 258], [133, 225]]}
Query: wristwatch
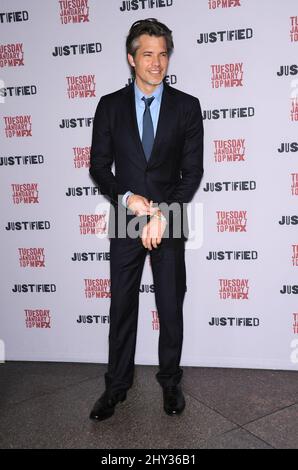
{"points": [[159, 215]]}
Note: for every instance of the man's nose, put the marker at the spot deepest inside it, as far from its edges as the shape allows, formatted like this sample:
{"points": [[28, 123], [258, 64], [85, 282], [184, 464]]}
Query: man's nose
{"points": [[156, 60]]}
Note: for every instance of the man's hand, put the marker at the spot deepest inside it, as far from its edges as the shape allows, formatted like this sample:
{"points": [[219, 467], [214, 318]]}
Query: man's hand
{"points": [[139, 205], [153, 232]]}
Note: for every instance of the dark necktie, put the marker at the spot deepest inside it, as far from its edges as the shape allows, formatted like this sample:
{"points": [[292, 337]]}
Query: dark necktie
{"points": [[148, 130]]}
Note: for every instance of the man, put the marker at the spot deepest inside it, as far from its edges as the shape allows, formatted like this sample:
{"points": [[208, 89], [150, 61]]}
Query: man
{"points": [[154, 135]]}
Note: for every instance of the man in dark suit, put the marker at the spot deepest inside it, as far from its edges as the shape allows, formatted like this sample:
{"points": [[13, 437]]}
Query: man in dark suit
{"points": [[154, 135]]}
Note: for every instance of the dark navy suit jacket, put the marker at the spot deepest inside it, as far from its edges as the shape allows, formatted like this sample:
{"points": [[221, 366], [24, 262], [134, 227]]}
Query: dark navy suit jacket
{"points": [[175, 168]]}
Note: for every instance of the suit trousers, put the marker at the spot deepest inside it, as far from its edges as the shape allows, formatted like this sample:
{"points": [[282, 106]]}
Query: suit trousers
{"points": [[127, 257]]}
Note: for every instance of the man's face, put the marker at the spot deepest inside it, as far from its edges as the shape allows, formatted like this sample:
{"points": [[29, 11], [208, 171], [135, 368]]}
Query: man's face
{"points": [[150, 62]]}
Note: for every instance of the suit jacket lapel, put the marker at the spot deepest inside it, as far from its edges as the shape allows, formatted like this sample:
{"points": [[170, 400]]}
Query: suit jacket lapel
{"points": [[134, 126], [165, 113]]}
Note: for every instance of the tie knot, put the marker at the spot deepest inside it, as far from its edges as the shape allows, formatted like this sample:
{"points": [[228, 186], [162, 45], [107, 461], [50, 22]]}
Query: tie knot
{"points": [[148, 101]]}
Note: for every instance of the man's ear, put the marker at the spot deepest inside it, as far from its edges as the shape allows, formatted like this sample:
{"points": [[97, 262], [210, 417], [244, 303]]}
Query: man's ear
{"points": [[130, 60]]}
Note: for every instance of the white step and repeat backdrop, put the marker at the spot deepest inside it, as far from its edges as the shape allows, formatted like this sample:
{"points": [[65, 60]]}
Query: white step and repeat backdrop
{"points": [[57, 57]]}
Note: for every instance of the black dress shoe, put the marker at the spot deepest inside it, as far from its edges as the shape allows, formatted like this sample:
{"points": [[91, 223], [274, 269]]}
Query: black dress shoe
{"points": [[105, 406], [173, 400]]}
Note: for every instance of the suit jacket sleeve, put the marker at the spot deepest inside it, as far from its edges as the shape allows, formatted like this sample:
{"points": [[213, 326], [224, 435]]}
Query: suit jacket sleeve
{"points": [[191, 167], [101, 155]]}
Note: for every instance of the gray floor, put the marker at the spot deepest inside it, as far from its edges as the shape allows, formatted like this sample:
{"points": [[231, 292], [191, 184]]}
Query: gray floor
{"points": [[46, 405]]}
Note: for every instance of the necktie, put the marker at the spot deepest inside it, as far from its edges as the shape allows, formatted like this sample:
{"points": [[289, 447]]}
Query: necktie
{"points": [[148, 130]]}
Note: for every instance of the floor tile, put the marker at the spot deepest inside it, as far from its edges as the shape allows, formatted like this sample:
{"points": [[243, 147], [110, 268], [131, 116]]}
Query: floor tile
{"points": [[236, 439], [279, 429], [242, 394]]}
